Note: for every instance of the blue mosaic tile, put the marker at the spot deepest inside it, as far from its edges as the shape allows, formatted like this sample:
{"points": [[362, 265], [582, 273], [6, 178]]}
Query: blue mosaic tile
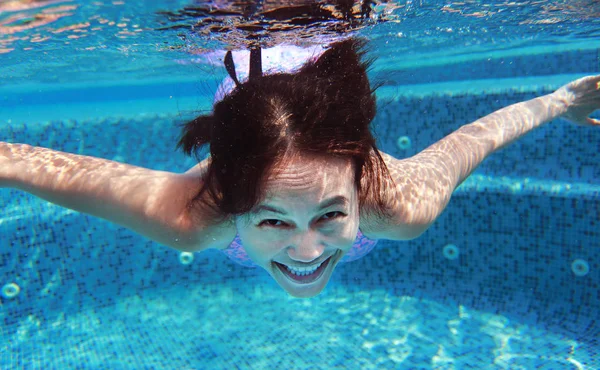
{"points": [[497, 67]]}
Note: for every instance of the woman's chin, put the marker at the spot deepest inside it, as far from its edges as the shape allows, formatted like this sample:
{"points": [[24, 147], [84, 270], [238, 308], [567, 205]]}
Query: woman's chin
{"points": [[304, 294], [304, 291]]}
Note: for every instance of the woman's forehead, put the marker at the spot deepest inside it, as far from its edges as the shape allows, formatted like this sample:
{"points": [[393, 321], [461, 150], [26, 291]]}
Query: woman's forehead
{"points": [[311, 180], [303, 171]]}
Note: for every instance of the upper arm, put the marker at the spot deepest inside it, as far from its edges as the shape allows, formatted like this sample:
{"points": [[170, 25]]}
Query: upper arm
{"points": [[415, 195], [421, 186], [169, 215], [176, 217], [160, 205]]}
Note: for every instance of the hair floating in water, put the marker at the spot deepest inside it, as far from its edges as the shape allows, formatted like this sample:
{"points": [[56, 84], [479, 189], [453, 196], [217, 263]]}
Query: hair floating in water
{"points": [[230, 67], [255, 65]]}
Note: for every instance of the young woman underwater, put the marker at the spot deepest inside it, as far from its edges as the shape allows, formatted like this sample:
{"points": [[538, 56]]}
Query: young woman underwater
{"points": [[294, 183]]}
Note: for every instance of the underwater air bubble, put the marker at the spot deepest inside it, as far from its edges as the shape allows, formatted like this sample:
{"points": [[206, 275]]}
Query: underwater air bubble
{"points": [[403, 142], [10, 290], [186, 258], [580, 267], [451, 252]]}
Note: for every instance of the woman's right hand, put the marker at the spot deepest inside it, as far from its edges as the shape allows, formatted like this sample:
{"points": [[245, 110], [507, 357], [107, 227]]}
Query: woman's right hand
{"points": [[582, 98]]}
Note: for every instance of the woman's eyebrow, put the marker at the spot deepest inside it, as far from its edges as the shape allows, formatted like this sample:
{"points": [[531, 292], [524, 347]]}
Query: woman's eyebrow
{"points": [[267, 208], [338, 200]]}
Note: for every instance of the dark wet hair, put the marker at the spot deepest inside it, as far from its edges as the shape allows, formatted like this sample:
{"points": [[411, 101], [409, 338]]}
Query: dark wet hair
{"points": [[323, 109]]}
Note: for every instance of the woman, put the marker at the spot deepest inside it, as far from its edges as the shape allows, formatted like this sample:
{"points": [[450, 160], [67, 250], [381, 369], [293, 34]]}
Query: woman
{"points": [[294, 181]]}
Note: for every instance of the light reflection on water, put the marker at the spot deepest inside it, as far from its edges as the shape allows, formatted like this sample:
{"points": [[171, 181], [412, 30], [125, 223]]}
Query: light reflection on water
{"points": [[25, 24]]}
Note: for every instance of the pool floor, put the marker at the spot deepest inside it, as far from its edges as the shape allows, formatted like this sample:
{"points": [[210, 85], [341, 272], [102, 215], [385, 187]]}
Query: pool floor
{"points": [[212, 327]]}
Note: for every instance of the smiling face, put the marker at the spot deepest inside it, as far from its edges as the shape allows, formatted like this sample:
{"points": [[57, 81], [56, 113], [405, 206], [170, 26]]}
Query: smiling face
{"points": [[306, 223]]}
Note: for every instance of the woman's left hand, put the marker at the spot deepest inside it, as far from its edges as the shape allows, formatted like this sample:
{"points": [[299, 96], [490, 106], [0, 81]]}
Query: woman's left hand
{"points": [[582, 98]]}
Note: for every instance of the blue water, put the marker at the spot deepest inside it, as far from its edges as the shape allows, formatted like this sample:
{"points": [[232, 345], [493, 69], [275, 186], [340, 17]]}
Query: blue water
{"points": [[100, 78]]}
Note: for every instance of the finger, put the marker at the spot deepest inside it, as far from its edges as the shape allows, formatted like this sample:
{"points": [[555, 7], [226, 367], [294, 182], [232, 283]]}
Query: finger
{"points": [[593, 122], [594, 79], [590, 82]]}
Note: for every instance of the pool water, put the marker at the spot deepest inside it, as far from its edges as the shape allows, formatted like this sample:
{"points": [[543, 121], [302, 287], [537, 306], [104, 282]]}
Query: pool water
{"points": [[507, 278]]}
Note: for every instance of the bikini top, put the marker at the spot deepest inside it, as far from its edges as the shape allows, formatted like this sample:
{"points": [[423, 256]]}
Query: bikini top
{"points": [[361, 247]]}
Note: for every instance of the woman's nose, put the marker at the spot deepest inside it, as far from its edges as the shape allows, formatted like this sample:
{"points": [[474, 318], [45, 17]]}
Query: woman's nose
{"points": [[306, 249]]}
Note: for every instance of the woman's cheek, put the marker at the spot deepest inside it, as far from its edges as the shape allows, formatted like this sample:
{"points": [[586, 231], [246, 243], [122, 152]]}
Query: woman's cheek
{"points": [[261, 245]]}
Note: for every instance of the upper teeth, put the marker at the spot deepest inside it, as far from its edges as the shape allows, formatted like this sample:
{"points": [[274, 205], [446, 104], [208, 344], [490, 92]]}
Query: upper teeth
{"points": [[303, 270]]}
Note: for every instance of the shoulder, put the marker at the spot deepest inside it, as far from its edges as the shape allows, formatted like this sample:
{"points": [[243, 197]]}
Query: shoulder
{"points": [[203, 226], [396, 225], [207, 230]]}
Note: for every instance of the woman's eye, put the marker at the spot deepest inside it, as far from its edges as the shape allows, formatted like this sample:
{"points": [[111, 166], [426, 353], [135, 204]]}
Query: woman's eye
{"points": [[332, 215], [272, 223]]}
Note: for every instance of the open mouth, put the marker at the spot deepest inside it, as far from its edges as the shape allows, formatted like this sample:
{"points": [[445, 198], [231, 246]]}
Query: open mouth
{"points": [[303, 275]]}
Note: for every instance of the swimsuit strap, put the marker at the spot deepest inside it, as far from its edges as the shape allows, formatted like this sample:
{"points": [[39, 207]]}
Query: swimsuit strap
{"points": [[237, 253], [244, 64], [361, 247]]}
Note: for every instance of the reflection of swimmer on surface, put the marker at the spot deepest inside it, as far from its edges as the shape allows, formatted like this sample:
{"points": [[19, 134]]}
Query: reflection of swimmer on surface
{"points": [[245, 23], [294, 182]]}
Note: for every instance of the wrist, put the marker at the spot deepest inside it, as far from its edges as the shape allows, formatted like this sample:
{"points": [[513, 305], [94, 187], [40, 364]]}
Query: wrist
{"points": [[560, 101]]}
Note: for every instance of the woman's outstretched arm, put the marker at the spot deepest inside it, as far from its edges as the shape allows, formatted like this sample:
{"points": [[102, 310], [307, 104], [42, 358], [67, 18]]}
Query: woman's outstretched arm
{"points": [[424, 183], [155, 204]]}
